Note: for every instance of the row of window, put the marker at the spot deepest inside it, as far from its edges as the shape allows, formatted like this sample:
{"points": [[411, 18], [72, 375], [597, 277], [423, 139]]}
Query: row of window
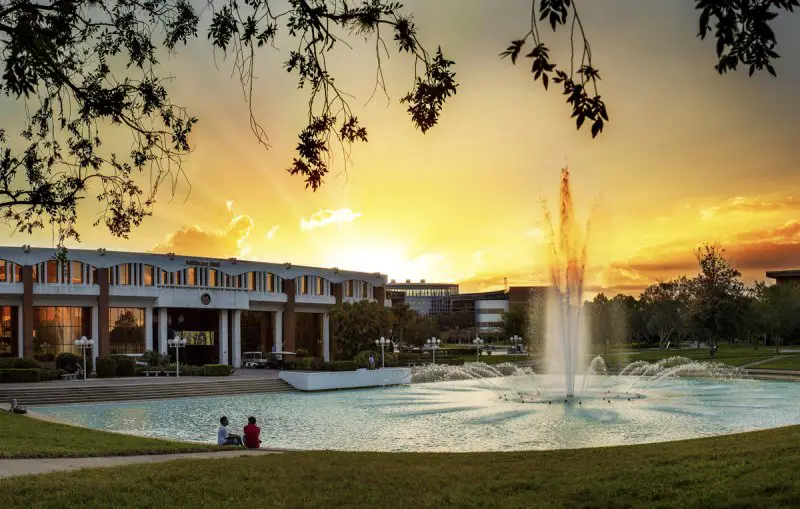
{"points": [[490, 311], [136, 274]]}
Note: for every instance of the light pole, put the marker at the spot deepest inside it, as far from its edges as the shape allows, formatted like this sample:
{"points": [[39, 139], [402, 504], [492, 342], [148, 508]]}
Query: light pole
{"points": [[478, 342], [84, 344], [177, 343], [515, 341], [383, 342], [434, 344]]}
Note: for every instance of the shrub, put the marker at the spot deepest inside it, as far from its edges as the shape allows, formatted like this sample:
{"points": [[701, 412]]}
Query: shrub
{"points": [[69, 362], [303, 363], [16, 375], [217, 370], [318, 364], [192, 370], [343, 366], [106, 367], [391, 359], [19, 363], [289, 365], [153, 358], [126, 366], [51, 374]]}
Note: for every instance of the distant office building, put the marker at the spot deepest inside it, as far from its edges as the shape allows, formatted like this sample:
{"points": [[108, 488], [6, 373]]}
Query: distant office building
{"points": [[427, 299], [784, 276]]}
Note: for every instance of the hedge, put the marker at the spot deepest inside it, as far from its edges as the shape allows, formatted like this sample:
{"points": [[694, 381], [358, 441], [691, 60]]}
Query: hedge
{"points": [[125, 366], [217, 370], [69, 362], [19, 363], [15, 375], [192, 370], [342, 366], [106, 367], [303, 363]]}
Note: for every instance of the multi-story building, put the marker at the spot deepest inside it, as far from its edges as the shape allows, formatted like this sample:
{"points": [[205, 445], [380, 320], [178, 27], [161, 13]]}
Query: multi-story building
{"points": [[427, 299], [133, 302], [784, 276]]}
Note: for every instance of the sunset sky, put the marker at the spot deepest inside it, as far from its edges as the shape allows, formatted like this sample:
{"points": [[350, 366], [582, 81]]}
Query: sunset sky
{"points": [[689, 156]]}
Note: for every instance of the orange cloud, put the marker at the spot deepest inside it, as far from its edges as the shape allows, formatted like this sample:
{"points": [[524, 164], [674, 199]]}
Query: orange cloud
{"points": [[194, 240], [743, 205]]}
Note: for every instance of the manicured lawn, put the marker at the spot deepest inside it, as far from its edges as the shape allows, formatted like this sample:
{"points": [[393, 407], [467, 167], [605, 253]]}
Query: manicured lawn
{"points": [[760, 469], [786, 362], [26, 437], [734, 355]]}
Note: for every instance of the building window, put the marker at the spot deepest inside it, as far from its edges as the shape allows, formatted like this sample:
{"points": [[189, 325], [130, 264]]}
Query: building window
{"points": [[7, 336], [149, 272], [4, 272], [17, 273], [320, 286], [56, 328], [191, 276], [349, 289], [76, 273], [251, 281], [124, 274], [270, 282], [364, 290], [52, 271], [303, 285], [126, 330], [94, 276], [212, 277]]}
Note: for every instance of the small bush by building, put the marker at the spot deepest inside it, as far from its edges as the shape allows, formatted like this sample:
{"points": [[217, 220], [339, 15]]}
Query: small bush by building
{"points": [[125, 366], [217, 370], [342, 366], [106, 367], [20, 375]]}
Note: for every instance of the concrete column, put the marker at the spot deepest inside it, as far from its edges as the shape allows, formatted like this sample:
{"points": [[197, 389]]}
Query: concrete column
{"points": [[20, 333], [162, 330], [277, 331], [27, 311], [148, 328], [95, 335], [379, 292], [105, 337], [326, 337], [223, 336], [289, 318], [237, 338], [263, 332]]}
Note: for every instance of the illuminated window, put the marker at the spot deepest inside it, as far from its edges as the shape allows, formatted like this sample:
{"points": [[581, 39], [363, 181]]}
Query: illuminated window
{"points": [[56, 328], [212, 277], [304, 285], [3, 270], [350, 287], [270, 282], [149, 272], [52, 271], [124, 274], [191, 276], [364, 290], [320, 286], [126, 330], [76, 273], [251, 281]]}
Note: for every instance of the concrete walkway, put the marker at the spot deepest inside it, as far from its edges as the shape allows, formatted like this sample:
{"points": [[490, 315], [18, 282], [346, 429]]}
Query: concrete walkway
{"points": [[14, 467], [762, 361]]}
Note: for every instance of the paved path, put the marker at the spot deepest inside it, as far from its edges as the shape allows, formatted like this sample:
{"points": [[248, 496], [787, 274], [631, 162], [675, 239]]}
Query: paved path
{"points": [[762, 361], [14, 467]]}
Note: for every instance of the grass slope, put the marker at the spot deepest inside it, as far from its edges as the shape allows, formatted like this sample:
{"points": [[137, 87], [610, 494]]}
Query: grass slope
{"points": [[25, 437], [733, 355], [760, 469], [786, 362]]}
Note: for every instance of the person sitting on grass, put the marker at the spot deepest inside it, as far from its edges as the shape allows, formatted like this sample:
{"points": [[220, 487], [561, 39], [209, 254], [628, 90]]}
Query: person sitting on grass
{"points": [[16, 408], [224, 437], [252, 434]]}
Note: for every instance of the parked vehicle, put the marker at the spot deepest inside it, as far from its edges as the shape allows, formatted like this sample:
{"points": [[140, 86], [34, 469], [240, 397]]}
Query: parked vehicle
{"points": [[253, 360]]}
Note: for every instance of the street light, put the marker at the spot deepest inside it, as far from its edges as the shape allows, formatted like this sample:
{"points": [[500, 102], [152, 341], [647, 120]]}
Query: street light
{"points": [[383, 342], [478, 342], [84, 344], [177, 343], [515, 341], [434, 344]]}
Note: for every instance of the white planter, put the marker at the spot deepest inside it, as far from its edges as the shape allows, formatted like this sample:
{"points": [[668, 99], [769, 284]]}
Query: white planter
{"points": [[329, 380]]}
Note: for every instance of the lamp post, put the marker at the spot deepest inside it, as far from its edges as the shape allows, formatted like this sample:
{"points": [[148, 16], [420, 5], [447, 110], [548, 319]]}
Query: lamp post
{"points": [[84, 344], [177, 343], [515, 341], [383, 342], [478, 342], [434, 344]]}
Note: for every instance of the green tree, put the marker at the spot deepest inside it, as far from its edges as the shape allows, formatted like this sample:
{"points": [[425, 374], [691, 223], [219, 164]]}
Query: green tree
{"points": [[357, 325], [664, 307], [515, 321], [715, 295], [402, 317], [779, 307], [422, 328]]}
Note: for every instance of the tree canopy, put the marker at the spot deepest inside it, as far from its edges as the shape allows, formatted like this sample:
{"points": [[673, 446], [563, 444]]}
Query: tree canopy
{"points": [[87, 71]]}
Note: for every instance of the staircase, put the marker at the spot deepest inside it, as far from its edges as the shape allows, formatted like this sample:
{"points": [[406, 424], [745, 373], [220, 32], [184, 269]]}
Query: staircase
{"points": [[94, 391]]}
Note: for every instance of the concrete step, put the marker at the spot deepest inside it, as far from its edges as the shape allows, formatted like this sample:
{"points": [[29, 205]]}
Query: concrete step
{"points": [[92, 393]]}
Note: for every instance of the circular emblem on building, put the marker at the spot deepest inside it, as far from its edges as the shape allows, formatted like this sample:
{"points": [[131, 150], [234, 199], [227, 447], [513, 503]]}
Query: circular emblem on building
{"points": [[205, 299]]}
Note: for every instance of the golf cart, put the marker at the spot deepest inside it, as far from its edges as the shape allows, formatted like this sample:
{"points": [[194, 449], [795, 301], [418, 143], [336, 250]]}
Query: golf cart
{"points": [[275, 360], [253, 360]]}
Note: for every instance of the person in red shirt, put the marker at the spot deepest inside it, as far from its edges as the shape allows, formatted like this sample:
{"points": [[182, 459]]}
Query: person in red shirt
{"points": [[251, 434]]}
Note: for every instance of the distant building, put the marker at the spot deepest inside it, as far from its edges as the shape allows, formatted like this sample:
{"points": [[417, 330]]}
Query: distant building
{"points": [[784, 276], [427, 299], [442, 299]]}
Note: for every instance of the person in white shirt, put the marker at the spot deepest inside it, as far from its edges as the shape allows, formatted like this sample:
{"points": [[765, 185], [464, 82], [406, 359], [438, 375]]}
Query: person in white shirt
{"points": [[224, 437]]}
